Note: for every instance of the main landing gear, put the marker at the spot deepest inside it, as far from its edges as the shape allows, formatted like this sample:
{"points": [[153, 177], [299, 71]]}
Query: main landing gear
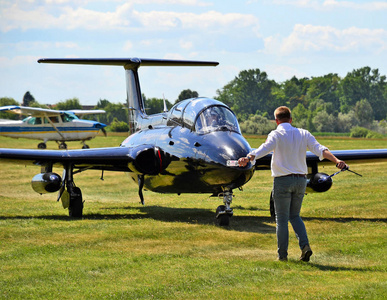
{"points": [[71, 195], [43, 145], [62, 145], [225, 212]]}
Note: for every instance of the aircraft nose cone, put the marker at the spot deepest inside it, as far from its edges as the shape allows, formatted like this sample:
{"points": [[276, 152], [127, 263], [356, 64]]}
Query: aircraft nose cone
{"points": [[219, 148], [99, 125]]}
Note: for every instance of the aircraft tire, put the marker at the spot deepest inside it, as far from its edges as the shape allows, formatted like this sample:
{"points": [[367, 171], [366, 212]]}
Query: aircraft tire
{"points": [[223, 219], [76, 203], [62, 145], [42, 146]]}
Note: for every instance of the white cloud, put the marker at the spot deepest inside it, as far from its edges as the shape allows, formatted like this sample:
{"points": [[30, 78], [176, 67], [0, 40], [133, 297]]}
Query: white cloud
{"points": [[309, 38], [333, 4], [376, 5], [6, 62], [186, 44], [128, 46], [282, 73], [124, 17], [157, 20]]}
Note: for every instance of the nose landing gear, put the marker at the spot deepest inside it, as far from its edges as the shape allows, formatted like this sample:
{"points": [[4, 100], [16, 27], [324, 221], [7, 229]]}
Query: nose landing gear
{"points": [[225, 212]]}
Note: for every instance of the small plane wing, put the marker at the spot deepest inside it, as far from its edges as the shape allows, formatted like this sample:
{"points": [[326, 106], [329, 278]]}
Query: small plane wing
{"points": [[82, 112], [40, 112]]}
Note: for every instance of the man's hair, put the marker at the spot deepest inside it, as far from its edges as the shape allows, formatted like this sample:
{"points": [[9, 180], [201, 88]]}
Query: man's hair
{"points": [[282, 113]]}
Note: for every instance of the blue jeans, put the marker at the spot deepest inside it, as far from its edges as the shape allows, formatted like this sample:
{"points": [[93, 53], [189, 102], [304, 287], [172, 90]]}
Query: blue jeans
{"points": [[288, 193]]}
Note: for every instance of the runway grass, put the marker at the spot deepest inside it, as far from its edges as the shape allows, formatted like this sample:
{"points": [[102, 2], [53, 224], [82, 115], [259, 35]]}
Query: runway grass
{"points": [[171, 248]]}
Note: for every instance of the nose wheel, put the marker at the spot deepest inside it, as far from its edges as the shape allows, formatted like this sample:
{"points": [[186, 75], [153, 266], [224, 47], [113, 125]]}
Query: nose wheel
{"points": [[224, 212]]}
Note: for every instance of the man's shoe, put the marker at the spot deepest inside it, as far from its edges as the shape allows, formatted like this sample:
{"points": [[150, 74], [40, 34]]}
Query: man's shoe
{"points": [[306, 253], [282, 259]]}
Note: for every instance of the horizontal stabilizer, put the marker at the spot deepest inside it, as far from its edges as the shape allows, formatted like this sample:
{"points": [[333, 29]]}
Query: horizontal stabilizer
{"points": [[127, 63]]}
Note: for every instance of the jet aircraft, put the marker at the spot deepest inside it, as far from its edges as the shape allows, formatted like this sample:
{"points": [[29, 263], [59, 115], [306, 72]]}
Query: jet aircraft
{"points": [[190, 149], [51, 125]]}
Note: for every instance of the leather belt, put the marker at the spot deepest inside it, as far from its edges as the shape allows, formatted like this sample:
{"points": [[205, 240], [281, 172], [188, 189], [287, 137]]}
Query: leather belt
{"points": [[294, 175]]}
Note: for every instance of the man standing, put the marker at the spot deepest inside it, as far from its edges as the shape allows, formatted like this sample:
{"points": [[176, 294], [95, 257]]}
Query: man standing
{"points": [[289, 169]]}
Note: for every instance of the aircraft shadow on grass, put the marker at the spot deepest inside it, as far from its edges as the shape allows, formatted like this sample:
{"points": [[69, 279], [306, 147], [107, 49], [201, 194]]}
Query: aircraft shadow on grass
{"points": [[258, 224]]}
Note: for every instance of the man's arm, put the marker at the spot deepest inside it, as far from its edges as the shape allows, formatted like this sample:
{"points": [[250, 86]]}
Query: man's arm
{"points": [[339, 163]]}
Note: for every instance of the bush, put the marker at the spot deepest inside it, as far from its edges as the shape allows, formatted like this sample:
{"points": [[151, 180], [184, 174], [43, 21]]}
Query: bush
{"points": [[359, 132], [374, 135], [118, 126], [365, 133], [257, 124]]}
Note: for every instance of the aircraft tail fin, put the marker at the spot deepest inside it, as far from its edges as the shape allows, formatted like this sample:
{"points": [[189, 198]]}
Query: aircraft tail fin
{"points": [[131, 65]]}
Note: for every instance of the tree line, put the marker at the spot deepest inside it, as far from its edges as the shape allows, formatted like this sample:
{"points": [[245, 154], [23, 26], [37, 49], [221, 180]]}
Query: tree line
{"points": [[355, 104], [329, 103]]}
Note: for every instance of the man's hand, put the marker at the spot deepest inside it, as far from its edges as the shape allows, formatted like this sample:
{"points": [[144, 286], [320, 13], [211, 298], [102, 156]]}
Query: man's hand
{"points": [[341, 164], [243, 161]]}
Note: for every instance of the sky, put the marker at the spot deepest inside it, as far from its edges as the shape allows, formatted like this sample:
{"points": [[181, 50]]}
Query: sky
{"points": [[284, 38]]}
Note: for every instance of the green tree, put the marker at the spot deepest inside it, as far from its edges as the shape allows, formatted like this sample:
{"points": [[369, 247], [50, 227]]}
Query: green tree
{"points": [[366, 84], [302, 117], [5, 102], [187, 94], [119, 126], [325, 88], [69, 104], [102, 103], [294, 91], [155, 105], [249, 92], [28, 99], [257, 124], [364, 113], [325, 122], [346, 121]]}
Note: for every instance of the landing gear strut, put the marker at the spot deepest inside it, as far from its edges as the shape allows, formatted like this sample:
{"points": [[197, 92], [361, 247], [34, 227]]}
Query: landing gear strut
{"points": [[225, 212], [84, 145], [72, 195]]}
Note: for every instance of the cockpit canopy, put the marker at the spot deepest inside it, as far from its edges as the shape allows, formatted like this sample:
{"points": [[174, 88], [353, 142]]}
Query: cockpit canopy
{"points": [[216, 118], [203, 115]]}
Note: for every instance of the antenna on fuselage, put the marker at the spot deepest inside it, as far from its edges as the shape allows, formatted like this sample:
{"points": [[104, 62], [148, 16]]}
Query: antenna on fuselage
{"points": [[165, 104]]}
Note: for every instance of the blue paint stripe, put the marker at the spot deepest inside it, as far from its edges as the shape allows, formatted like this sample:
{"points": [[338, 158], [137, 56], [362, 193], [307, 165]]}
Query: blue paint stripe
{"points": [[18, 129]]}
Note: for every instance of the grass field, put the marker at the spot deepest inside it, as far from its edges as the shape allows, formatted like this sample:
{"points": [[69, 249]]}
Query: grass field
{"points": [[171, 248]]}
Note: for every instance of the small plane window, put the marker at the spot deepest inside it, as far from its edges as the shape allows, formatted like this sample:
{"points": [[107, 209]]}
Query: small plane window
{"points": [[34, 121], [216, 118], [68, 117], [54, 119]]}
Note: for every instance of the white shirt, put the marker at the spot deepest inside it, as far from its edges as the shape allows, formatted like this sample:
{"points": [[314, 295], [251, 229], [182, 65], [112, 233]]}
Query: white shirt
{"points": [[289, 145]]}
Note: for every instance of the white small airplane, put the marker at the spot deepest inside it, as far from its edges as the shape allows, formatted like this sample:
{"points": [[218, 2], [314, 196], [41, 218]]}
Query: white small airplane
{"points": [[51, 125]]}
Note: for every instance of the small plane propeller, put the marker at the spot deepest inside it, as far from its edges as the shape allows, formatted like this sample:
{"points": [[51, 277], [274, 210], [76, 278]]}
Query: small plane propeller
{"points": [[104, 132]]}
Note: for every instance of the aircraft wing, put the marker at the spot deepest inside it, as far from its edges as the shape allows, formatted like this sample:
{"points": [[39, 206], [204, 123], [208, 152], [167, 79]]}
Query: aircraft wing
{"points": [[31, 111], [345, 155], [40, 112], [111, 159], [81, 112]]}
